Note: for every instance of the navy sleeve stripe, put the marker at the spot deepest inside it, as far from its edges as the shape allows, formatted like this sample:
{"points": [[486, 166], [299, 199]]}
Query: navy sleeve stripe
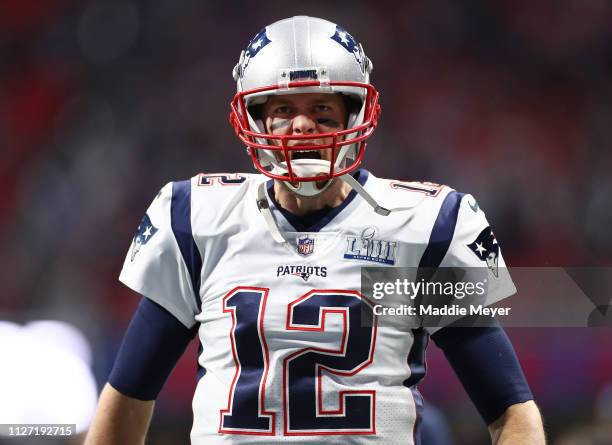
{"points": [[443, 230], [151, 347], [439, 242], [181, 227]]}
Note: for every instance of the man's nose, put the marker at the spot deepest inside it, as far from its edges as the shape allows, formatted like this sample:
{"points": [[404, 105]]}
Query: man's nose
{"points": [[303, 124]]}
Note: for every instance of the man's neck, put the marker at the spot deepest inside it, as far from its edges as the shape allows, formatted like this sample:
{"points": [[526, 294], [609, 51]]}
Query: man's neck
{"points": [[302, 205]]}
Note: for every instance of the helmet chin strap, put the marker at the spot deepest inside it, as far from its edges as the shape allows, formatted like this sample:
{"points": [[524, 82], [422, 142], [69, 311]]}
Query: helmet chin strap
{"points": [[355, 185], [264, 206]]}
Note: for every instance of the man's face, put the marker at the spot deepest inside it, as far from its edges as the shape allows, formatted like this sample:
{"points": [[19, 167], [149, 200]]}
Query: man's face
{"points": [[305, 114]]}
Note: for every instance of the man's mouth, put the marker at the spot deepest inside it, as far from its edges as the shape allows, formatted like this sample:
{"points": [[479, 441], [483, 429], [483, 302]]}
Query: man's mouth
{"points": [[305, 154]]}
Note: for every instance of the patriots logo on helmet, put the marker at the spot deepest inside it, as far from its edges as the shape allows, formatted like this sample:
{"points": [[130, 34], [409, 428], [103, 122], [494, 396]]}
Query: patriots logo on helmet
{"points": [[143, 234], [255, 45], [485, 247], [350, 44]]}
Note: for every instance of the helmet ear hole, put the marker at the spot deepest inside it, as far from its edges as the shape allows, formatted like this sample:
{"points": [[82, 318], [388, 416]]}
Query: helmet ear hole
{"points": [[352, 103], [256, 111]]}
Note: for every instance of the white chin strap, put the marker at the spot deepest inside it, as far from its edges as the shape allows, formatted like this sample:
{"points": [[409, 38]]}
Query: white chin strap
{"points": [[355, 185], [264, 206]]}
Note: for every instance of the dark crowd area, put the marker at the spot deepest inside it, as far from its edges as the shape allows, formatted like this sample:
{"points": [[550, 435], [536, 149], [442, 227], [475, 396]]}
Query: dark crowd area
{"points": [[103, 102]]}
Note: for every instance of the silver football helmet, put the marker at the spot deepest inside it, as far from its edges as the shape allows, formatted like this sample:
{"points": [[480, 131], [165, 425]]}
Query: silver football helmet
{"points": [[304, 55]]}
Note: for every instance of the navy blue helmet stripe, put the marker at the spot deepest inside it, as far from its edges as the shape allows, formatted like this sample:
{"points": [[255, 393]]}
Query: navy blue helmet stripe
{"points": [[443, 230], [180, 212]]}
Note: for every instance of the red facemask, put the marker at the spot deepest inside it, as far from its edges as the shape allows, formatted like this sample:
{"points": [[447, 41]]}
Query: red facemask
{"points": [[355, 135]]}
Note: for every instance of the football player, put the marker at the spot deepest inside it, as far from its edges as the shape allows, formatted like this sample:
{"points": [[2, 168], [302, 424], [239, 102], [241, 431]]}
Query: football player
{"points": [[266, 270]]}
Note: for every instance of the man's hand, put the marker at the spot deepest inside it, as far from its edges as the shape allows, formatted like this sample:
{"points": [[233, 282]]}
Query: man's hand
{"points": [[520, 424], [119, 419]]}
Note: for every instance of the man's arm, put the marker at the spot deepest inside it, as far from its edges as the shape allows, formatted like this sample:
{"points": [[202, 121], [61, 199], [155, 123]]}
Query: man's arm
{"points": [[119, 419], [521, 423], [152, 345], [485, 362]]}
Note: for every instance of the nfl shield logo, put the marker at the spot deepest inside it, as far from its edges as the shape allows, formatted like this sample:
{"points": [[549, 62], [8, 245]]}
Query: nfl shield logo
{"points": [[305, 246]]}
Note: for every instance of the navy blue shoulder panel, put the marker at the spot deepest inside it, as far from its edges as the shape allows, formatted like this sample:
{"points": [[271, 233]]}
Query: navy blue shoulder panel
{"points": [[181, 227], [443, 230]]}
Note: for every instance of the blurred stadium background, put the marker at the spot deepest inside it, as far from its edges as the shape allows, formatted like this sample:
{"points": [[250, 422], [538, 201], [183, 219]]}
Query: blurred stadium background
{"points": [[103, 102]]}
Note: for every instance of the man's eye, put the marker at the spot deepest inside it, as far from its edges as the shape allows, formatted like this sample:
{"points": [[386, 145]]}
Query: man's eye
{"points": [[322, 108], [283, 110]]}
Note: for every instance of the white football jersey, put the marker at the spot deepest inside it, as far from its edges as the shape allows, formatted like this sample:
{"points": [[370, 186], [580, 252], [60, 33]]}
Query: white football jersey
{"points": [[285, 356]]}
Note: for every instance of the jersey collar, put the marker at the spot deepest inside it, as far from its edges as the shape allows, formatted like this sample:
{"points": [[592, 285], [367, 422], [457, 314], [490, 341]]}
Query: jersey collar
{"points": [[315, 221]]}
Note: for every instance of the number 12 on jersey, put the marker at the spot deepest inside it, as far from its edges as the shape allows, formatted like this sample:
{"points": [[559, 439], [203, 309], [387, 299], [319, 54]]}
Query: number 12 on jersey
{"points": [[303, 410]]}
